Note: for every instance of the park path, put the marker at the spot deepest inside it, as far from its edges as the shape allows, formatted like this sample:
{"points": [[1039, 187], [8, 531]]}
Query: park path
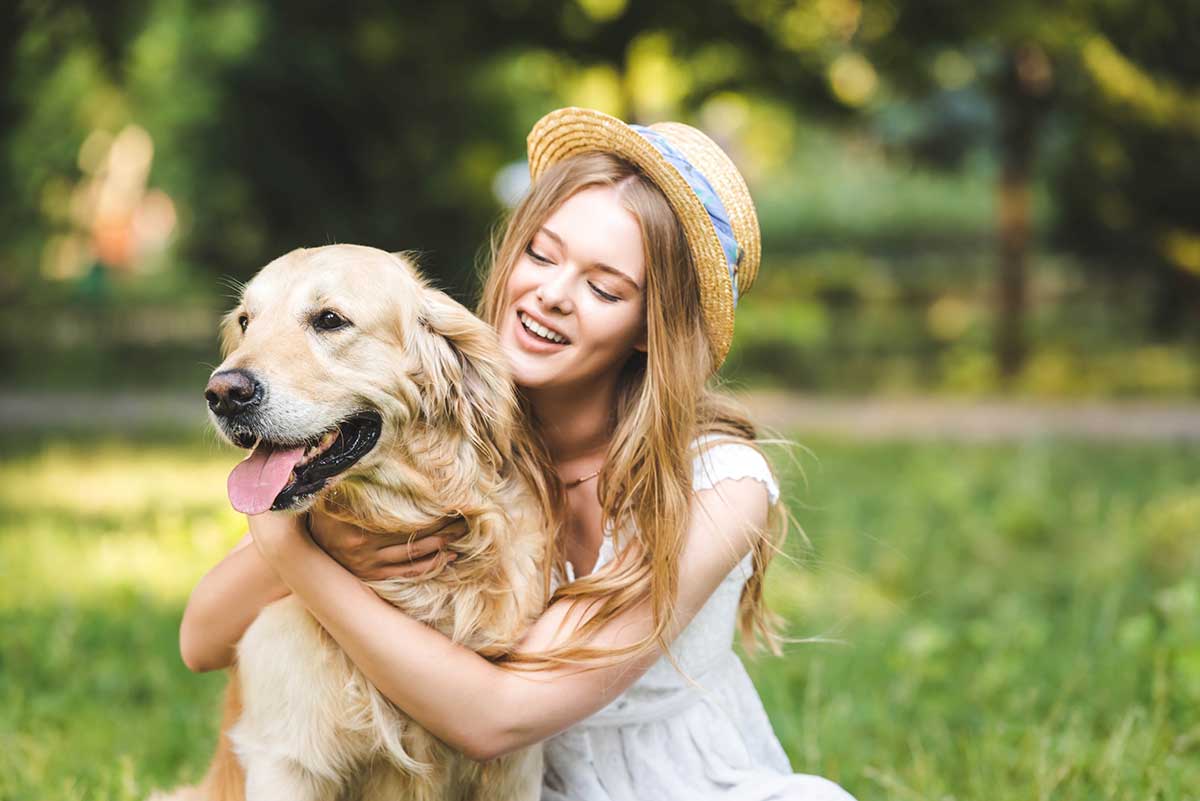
{"points": [[788, 413], [977, 420]]}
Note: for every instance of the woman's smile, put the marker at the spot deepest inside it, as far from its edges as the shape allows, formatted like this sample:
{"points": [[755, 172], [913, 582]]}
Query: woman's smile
{"points": [[540, 333]]}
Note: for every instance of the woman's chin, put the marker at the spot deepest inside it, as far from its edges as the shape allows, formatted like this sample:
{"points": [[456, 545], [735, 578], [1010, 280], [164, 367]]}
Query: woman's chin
{"points": [[527, 372], [533, 379]]}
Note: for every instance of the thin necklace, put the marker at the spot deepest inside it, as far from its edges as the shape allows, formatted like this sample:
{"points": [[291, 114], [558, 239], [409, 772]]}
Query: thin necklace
{"points": [[576, 482]]}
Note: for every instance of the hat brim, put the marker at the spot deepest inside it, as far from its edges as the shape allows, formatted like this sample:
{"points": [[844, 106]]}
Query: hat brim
{"points": [[572, 131]]}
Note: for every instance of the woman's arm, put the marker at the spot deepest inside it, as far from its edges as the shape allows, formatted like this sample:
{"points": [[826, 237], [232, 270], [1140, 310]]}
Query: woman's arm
{"points": [[479, 708], [230, 596], [224, 604]]}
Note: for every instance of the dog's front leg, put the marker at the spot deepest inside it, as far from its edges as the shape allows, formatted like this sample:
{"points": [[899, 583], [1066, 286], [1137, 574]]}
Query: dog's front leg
{"points": [[294, 737], [272, 778], [513, 777], [385, 782]]}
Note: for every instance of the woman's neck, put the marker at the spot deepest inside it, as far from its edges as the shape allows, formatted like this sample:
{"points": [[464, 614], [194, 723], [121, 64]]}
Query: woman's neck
{"points": [[575, 424]]}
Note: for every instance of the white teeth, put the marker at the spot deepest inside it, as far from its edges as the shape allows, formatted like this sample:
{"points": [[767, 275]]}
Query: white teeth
{"points": [[541, 330], [322, 445]]}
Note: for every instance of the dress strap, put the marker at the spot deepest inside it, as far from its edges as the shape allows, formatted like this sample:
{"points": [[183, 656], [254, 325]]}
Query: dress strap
{"points": [[723, 459], [730, 459]]}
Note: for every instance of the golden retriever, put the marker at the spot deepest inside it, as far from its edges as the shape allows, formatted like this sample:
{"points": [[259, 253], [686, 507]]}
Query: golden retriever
{"points": [[368, 395]]}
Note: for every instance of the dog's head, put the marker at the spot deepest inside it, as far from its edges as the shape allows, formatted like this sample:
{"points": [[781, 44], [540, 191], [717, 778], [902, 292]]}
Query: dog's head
{"points": [[332, 357]]}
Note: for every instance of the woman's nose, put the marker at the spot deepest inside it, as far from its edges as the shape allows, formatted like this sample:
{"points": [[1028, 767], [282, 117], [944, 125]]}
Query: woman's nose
{"points": [[555, 292]]}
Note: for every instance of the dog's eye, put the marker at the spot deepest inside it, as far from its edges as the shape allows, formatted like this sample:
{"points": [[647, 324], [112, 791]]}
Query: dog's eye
{"points": [[329, 321], [243, 321]]}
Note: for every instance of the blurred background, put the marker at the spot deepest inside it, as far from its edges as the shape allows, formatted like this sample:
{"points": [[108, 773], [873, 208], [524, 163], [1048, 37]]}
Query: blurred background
{"points": [[979, 311]]}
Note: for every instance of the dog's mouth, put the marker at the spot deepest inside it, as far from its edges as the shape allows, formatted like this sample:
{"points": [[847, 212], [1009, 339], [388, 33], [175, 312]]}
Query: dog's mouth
{"points": [[279, 475]]}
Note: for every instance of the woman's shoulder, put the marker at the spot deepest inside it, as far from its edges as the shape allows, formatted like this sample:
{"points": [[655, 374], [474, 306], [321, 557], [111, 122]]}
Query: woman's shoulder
{"points": [[717, 457]]}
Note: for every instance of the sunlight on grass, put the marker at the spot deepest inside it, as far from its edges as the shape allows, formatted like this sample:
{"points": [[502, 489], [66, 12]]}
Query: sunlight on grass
{"points": [[80, 522], [831, 594], [164, 567], [114, 478]]}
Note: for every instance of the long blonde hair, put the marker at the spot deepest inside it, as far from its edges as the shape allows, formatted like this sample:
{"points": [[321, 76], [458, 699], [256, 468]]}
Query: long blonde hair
{"points": [[663, 404]]}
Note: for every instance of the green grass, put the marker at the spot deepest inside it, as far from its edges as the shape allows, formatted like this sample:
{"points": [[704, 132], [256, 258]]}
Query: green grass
{"points": [[1014, 621]]}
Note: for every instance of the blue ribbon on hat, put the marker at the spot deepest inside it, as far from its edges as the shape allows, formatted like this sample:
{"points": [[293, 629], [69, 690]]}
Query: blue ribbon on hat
{"points": [[708, 196]]}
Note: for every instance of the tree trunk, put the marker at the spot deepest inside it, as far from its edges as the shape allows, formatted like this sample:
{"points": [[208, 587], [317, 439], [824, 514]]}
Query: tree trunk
{"points": [[1024, 82]]}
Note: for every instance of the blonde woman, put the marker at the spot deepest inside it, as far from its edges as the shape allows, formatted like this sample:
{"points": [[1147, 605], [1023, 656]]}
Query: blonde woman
{"points": [[613, 291]]}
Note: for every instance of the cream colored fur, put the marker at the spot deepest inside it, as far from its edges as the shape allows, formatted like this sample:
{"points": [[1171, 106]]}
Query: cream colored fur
{"points": [[301, 721]]}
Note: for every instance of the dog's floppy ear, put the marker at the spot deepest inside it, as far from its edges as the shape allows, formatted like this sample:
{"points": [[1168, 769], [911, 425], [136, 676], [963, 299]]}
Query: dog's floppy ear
{"points": [[468, 376]]}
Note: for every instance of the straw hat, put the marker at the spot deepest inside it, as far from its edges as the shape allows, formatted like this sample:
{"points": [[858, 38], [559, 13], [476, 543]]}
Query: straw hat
{"points": [[690, 169]]}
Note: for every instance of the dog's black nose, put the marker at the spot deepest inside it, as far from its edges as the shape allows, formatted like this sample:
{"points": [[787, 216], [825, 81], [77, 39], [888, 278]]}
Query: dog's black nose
{"points": [[232, 392]]}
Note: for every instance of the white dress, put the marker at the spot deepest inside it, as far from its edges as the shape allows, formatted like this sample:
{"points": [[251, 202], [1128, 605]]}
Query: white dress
{"points": [[666, 739]]}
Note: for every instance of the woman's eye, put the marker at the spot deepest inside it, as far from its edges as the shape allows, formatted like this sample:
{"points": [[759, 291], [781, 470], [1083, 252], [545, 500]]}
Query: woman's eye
{"points": [[603, 295], [533, 254], [243, 321], [329, 321]]}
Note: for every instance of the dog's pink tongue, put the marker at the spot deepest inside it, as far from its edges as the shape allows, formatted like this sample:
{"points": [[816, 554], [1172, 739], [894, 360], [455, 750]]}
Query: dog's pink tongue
{"points": [[256, 481]]}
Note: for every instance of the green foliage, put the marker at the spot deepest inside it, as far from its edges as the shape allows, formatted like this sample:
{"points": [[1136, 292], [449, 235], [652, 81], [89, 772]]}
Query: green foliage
{"points": [[843, 186], [1013, 621], [847, 319], [275, 127], [876, 129]]}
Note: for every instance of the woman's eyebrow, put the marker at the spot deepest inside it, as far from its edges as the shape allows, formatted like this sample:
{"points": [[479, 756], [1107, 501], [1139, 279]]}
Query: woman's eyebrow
{"points": [[598, 265], [553, 236], [614, 271]]}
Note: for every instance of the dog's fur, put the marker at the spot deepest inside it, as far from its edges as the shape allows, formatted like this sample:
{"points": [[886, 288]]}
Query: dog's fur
{"points": [[301, 722]]}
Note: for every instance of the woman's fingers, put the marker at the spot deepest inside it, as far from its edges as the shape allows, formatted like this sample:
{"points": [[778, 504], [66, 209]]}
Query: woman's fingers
{"points": [[445, 530], [426, 565], [376, 555], [391, 555]]}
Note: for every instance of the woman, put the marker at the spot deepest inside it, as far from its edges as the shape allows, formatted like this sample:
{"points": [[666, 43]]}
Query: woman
{"points": [[613, 291]]}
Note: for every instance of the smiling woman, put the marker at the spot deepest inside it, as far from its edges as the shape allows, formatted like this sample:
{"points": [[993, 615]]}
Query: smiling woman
{"points": [[612, 291]]}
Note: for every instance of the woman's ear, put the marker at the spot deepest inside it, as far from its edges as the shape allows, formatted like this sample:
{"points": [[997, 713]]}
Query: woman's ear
{"points": [[642, 343]]}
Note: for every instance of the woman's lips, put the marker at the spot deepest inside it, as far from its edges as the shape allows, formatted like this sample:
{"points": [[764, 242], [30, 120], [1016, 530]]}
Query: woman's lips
{"points": [[531, 342]]}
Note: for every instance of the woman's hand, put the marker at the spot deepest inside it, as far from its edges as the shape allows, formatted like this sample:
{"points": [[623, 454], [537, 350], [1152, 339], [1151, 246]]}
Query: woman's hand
{"points": [[373, 555], [275, 532]]}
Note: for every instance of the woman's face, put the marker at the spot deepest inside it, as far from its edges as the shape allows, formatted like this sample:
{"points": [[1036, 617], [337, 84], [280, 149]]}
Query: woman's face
{"points": [[575, 301]]}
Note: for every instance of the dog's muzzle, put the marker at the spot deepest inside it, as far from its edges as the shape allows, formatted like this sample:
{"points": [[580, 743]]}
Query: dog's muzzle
{"points": [[285, 468]]}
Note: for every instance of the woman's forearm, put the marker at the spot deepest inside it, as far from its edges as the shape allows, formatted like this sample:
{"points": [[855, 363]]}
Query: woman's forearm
{"points": [[224, 604]]}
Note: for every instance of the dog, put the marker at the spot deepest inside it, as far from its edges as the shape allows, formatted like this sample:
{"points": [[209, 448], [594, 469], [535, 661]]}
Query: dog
{"points": [[367, 394]]}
